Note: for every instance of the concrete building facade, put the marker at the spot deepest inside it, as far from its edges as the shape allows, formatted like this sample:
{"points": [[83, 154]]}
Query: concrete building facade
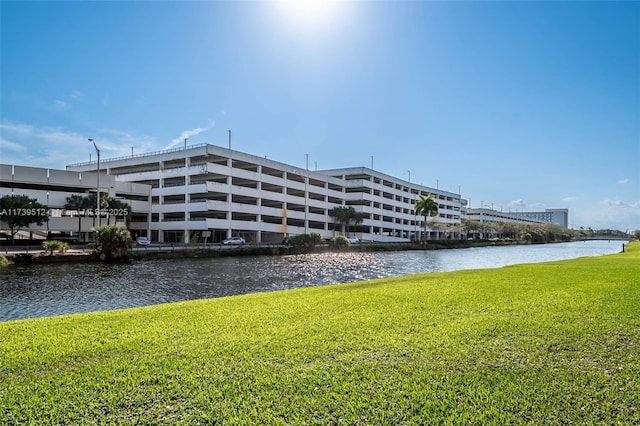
{"points": [[208, 193], [51, 187], [556, 216]]}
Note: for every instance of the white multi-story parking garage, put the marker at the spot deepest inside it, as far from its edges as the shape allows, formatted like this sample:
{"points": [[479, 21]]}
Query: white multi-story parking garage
{"points": [[208, 193], [556, 216]]}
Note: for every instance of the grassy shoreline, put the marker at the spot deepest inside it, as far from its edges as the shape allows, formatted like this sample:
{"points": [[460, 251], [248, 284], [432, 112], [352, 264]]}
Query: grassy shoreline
{"points": [[548, 343]]}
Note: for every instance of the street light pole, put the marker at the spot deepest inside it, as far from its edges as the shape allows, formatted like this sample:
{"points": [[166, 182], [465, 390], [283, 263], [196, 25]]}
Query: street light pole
{"points": [[306, 196], [98, 180]]}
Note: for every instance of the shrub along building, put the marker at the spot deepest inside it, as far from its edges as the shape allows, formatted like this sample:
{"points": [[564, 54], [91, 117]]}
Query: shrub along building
{"points": [[208, 193]]}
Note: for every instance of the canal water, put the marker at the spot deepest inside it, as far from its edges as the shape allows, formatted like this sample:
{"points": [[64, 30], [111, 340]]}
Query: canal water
{"points": [[28, 291]]}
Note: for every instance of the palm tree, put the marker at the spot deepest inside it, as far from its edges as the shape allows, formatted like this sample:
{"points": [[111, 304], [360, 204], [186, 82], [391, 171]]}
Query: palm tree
{"points": [[78, 203], [91, 203], [118, 206], [341, 215], [356, 217], [427, 207], [345, 216]]}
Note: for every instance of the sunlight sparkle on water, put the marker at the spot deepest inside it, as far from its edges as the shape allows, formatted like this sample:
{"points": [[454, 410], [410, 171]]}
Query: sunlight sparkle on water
{"points": [[42, 290]]}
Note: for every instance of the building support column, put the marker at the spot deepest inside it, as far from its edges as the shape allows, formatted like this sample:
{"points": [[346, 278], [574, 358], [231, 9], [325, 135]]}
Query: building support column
{"points": [[285, 227], [259, 232], [259, 203]]}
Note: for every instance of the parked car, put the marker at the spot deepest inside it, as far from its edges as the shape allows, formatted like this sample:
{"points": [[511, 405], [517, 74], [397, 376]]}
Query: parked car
{"points": [[353, 240], [234, 241], [143, 241]]}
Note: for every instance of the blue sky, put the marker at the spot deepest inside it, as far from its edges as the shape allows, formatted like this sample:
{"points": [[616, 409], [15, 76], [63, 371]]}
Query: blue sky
{"points": [[520, 105]]}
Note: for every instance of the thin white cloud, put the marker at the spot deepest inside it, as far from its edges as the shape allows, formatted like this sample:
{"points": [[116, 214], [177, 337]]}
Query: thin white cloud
{"points": [[623, 181], [56, 147], [18, 128], [67, 101], [119, 143], [615, 203], [186, 134], [76, 95], [60, 105], [521, 205], [47, 134], [609, 213], [569, 199], [43, 146], [6, 144]]}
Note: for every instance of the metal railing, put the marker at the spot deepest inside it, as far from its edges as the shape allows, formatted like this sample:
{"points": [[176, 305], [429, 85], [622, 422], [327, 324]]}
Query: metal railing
{"points": [[146, 154]]}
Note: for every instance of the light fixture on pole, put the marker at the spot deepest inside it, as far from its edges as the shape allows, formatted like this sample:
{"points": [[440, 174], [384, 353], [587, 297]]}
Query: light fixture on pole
{"points": [[98, 180]]}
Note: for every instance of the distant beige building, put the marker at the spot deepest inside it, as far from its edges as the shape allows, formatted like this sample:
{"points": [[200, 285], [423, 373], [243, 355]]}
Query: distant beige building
{"points": [[556, 216]]}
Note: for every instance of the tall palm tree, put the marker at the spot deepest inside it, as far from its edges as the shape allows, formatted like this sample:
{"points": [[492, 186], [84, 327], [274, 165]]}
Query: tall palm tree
{"points": [[427, 207], [91, 203], [356, 217], [347, 215], [118, 206], [78, 203], [341, 215]]}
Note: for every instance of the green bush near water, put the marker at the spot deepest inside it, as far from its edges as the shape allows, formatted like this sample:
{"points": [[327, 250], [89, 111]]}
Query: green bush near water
{"points": [[111, 241], [339, 242], [550, 343], [305, 243], [55, 245]]}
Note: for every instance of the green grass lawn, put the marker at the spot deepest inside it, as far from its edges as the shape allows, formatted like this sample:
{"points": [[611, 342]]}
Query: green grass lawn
{"points": [[551, 343]]}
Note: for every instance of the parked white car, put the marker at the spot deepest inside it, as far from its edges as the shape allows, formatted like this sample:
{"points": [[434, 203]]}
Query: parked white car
{"points": [[143, 241], [234, 241], [353, 240]]}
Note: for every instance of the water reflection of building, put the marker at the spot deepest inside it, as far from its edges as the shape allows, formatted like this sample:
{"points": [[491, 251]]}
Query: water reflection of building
{"points": [[210, 192]]}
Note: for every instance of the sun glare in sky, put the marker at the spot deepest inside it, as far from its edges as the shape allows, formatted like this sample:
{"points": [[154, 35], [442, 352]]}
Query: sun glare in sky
{"points": [[311, 16]]}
